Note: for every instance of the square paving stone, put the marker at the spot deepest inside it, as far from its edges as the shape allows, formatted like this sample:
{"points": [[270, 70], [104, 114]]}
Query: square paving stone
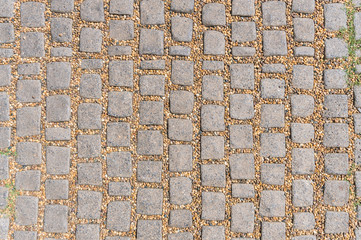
{"points": [[180, 218], [28, 91], [213, 175], [273, 145], [28, 121], [62, 6], [242, 218], [7, 8], [89, 204], [151, 42], [336, 163], [302, 105], [26, 210], [118, 134], [213, 233], [303, 6], [4, 167], [56, 189], [32, 44], [149, 229], [335, 78], [58, 75], [121, 29], [119, 189], [336, 135], [241, 136], [336, 193], [241, 106], [91, 40], [90, 86], [56, 218], [243, 190], [302, 193], [336, 222], [87, 231], [272, 88], [274, 43], [32, 14], [212, 87], [28, 68], [152, 85], [274, 13], [213, 206], [7, 33], [5, 137], [272, 203], [61, 29], [214, 14], [92, 11], [4, 107], [273, 231], [335, 48], [150, 142], [118, 216], [182, 6], [243, 31], [302, 77], [303, 161], [304, 221], [180, 158], [57, 160], [152, 12], [335, 105], [120, 104], [304, 30], [25, 235], [4, 227], [335, 16], [121, 7], [121, 73], [302, 132], [28, 180], [182, 29], [242, 166], [90, 174], [4, 194], [180, 129], [119, 164], [272, 115], [28, 153], [5, 75], [58, 108], [180, 190], [212, 118], [180, 236], [151, 112], [149, 171], [89, 146], [243, 8], [150, 201], [181, 102], [182, 72], [212, 147], [214, 43], [273, 174]]}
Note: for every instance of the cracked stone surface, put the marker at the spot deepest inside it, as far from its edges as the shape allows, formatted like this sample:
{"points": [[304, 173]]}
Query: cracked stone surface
{"points": [[180, 120]]}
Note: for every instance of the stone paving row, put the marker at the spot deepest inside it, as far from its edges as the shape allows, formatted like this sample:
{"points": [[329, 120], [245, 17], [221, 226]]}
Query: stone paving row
{"points": [[178, 120]]}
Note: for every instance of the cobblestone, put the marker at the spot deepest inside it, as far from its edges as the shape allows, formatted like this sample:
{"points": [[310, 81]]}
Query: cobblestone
{"points": [[89, 204], [336, 222], [26, 210], [87, 231], [118, 216], [272, 203], [28, 180], [181, 218], [302, 193], [149, 171], [56, 189]]}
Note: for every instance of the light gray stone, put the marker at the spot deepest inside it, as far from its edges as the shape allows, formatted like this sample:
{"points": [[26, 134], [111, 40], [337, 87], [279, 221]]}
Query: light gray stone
{"points": [[5, 137], [302, 132], [89, 116], [25, 235], [242, 76], [181, 102], [4, 107], [336, 163], [304, 51], [243, 190], [26, 210], [214, 14], [121, 7], [4, 194], [180, 129], [180, 218], [243, 51], [119, 164], [91, 39], [335, 48], [28, 180], [180, 158], [304, 30], [273, 231], [89, 146], [336, 192], [118, 134], [272, 115], [272, 88], [213, 65], [179, 51], [335, 16], [180, 236], [335, 105], [28, 153], [241, 106], [274, 13], [6, 33], [242, 218], [302, 105], [58, 75], [152, 12], [150, 142], [61, 29], [89, 204], [32, 44], [272, 173], [152, 64], [303, 6], [7, 8], [214, 43], [28, 68], [119, 189], [62, 6], [92, 10], [28, 121], [152, 85], [212, 118], [182, 29], [244, 8], [336, 135], [303, 161], [336, 222], [57, 160], [56, 189], [213, 175], [302, 193], [180, 190], [61, 52], [149, 229], [121, 30], [150, 201], [304, 221], [273, 145], [4, 167], [303, 77], [90, 86], [212, 147], [242, 166], [4, 227], [274, 43], [87, 231], [118, 216], [28, 91], [241, 136], [119, 50], [272, 203], [273, 68], [182, 6], [58, 108], [213, 233], [212, 87], [151, 42], [56, 218], [213, 206], [149, 171], [91, 63], [89, 174], [151, 112], [57, 134], [32, 14], [182, 72], [120, 104]]}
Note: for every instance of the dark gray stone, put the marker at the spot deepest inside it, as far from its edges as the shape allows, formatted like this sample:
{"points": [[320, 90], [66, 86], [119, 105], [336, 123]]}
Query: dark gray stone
{"points": [[90, 39], [182, 72], [28, 121], [242, 218], [28, 91], [151, 42], [92, 10], [56, 218], [180, 190], [274, 13], [90, 174], [214, 14], [213, 175], [28, 180], [152, 85], [303, 161], [212, 147], [89, 204], [61, 29], [28, 153], [56, 189], [273, 145], [32, 14], [32, 44], [26, 210], [241, 106], [89, 146], [149, 171], [121, 30], [57, 160], [242, 166], [58, 75], [213, 43], [241, 136], [150, 201], [120, 104], [118, 216], [119, 164], [150, 142], [272, 203], [213, 206], [302, 193], [121, 73], [58, 108]]}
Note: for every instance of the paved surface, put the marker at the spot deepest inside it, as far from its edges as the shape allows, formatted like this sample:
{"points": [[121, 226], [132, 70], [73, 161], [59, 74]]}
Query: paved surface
{"points": [[179, 120]]}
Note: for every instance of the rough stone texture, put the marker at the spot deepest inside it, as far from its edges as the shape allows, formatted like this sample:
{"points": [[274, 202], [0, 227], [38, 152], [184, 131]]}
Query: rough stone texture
{"points": [[26, 210], [118, 216], [61, 29], [272, 115], [274, 43], [150, 142], [303, 161], [28, 180], [273, 145], [274, 13], [120, 104], [181, 218], [181, 102], [335, 48], [90, 174], [303, 77], [119, 189], [152, 12], [149, 171], [213, 233], [152, 85], [28, 121], [213, 206], [241, 106], [241, 136], [335, 106], [7, 33], [240, 190], [272, 203], [92, 11], [57, 160], [214, 43], [56, 218], [213, 175], [58, 75], [32, 44], [182, 72], [90, 86], [335, 16], [302, 193], [336, 163], [180, 189], [5, 77], [118, 134], [212, 118], [273, 173], [121, 29], [151, 42], [151, 112], [336, 222], [212, 147], [243, 8], [243, 31], [214, 14], [150, 201], [212, 87], [25, 235], [336, 135], [180, 129], [56, 189], [28, 153], [58, 108], [304, 221], [32, 14], [87, 231], [180, 158], [242, 218], [272, 88], [182, 29], [119, 164], [5, 137], [303, 6], [89, 204], [149, 229], [90, 40], [4, 227], [28, 91], [335, 78], [242, 166], [273, 231], [62, 6], [336, 193], [242, 76], [302, 105], [89, 146], [302, 132]]}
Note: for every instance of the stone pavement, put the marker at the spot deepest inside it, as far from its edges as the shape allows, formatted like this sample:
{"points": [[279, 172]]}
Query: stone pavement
{"points": [[180, 119]]}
